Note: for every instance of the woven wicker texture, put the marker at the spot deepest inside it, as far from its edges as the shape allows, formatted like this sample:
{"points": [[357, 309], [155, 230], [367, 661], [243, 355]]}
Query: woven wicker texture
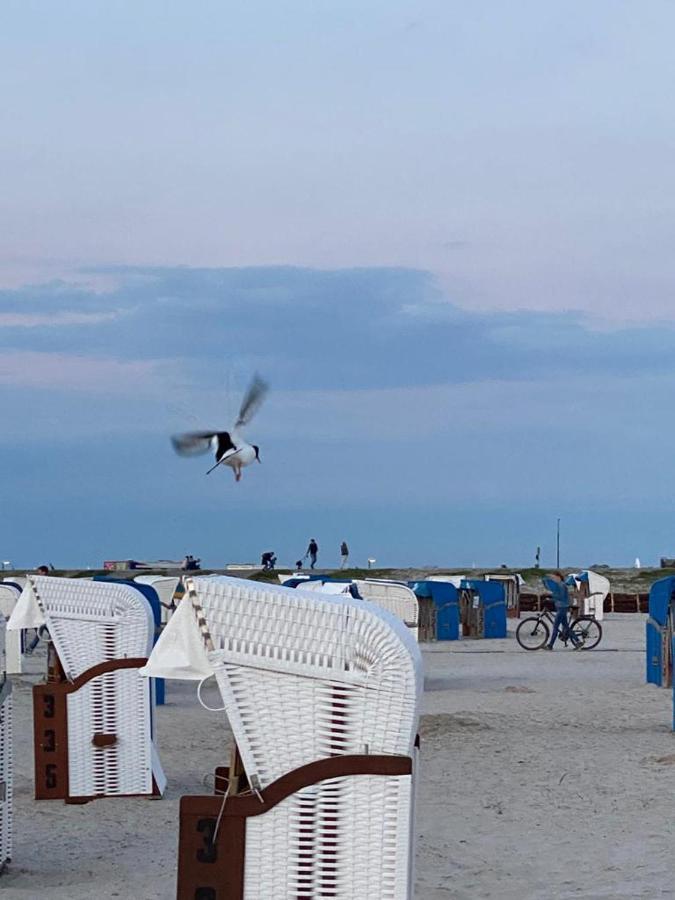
{"points": [[91, 623], [114, 703], [396, 598], [13, 640], [306, 676], [166, 586], [8, 597], [343, 838]]}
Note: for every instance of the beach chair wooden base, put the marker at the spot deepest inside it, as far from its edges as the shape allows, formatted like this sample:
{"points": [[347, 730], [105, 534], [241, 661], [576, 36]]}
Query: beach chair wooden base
{"points": [[212, 835], [50, 732]]}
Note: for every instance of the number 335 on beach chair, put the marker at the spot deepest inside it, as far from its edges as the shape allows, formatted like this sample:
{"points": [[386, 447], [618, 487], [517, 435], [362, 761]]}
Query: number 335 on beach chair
{"points": [[322, 694], [93, 719]]}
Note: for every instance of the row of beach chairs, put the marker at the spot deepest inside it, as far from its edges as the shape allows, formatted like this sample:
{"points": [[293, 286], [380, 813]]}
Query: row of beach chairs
{"points": [[396, 598]]}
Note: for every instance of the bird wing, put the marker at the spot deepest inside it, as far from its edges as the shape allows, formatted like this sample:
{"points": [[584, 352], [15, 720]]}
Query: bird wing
{"points": [[196, 442], [252, 401], [225, 444], [193, 443]]}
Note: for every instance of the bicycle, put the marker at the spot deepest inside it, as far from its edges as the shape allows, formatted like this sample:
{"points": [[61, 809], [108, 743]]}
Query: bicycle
{"points": [[534, 632]]}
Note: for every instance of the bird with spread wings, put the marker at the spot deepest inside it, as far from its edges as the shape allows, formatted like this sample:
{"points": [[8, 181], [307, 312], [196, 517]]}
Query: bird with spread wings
{"points": [[229, 446]]}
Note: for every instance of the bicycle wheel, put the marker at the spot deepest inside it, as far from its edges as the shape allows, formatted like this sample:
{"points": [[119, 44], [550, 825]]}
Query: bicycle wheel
{"points": [[532, 633], [588, 631]]}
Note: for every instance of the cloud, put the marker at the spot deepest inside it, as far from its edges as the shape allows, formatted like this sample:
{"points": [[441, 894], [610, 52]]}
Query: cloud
{"points": [[376, 328], [58, 319], [355, 356], [56, 371], [384, 394]]}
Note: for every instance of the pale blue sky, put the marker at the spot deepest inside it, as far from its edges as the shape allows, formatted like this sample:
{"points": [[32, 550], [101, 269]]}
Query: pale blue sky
{"points": [[443, 230]]}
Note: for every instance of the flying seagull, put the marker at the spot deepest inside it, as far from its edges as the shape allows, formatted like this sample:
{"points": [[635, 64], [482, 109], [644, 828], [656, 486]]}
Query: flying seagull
{"points": [[229, 446]]}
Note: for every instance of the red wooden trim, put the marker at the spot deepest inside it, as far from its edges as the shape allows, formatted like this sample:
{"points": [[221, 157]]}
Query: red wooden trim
{"points": [[104, 740], [208, 867], [213, 865], [112, 665], [334, 767], [50, 742]]}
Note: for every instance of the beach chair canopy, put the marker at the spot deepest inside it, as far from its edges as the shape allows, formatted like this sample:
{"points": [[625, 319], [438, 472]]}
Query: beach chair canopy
{"points": [[17, 580], [326, 587], [661, 596], [165, 585], [393, 596], [9, 596], [303, 675], [89, 621], [455, 580]]}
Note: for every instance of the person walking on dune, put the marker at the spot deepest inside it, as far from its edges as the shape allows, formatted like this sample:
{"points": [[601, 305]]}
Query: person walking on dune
{"points": [[561, 600], [312, 551], [344, 554]]}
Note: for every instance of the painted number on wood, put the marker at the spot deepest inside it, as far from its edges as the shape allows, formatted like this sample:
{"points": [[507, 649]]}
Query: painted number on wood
{"points": [[50, 776], [208, 853], [48, 711]]}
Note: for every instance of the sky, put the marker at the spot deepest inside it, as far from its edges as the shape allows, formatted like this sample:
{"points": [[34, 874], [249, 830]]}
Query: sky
{"points": [[442, 231]]}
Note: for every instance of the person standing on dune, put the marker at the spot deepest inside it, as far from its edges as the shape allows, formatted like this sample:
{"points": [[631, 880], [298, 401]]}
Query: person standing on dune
{"points": [[344, 554], [312, 551]]}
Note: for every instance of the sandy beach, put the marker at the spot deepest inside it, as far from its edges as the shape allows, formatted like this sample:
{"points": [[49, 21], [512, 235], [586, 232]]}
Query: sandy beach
{"points": [[544, 775]]}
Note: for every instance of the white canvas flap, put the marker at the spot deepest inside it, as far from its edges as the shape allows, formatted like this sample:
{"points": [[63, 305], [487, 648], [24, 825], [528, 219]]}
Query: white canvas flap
{"points": [[27, 612], [179, 652]]}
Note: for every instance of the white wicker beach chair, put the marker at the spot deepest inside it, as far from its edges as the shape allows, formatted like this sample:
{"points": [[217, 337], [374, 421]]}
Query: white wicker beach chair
{"points": [[166, 586], [94, 727], [6, 765], [593, 589], [322, 693], [13, 642], [19, 580], [287, 577], [397, 598], [325, 587]]}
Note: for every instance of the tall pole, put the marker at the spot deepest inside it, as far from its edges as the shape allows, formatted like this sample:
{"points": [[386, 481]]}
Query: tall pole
{"points": [[557, 546]]}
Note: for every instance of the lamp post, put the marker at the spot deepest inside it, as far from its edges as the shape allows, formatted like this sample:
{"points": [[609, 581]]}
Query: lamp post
{"points": [[557, 546]]}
